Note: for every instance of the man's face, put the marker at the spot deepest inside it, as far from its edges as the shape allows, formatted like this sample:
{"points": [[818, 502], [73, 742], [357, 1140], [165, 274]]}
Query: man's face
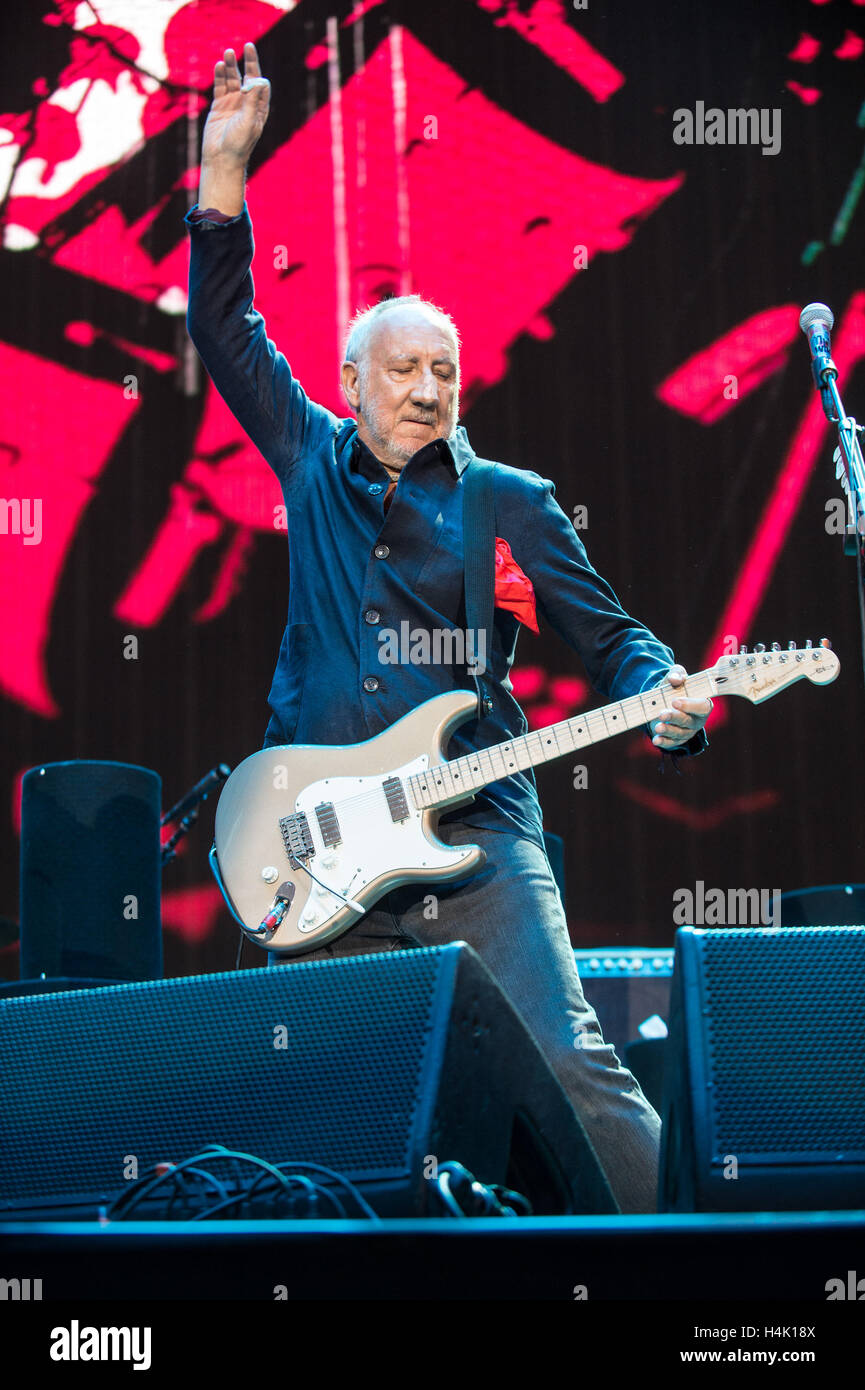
{"points": [[406, 393]]}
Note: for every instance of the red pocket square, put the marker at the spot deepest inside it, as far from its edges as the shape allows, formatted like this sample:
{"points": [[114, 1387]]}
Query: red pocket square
{"points": [[514, 590]]}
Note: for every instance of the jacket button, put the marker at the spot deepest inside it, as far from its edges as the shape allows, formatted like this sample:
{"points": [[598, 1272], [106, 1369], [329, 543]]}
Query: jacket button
{"points": [[370, 684], [372, 616], [374, 489], [382, 552]]}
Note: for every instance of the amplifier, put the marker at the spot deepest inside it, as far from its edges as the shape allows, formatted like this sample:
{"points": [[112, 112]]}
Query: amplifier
{"points": [[626, 987]]}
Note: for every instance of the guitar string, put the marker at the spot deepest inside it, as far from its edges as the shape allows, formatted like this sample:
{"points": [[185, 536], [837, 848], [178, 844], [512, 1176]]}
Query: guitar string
{"points": [[697, 686], [373, 795]]}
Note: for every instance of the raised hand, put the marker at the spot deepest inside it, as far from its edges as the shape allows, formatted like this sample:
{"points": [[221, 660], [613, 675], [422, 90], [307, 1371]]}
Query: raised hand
{"points": [[239, 110]]}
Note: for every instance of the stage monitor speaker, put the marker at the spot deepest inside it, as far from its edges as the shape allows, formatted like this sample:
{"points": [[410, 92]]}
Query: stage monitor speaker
{"points": [[91, 871], [372, 1066], [842, 904], [764, 1089]]}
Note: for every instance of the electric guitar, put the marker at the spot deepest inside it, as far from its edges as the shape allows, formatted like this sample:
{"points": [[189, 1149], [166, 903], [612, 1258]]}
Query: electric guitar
{"points": [[309, 838]]}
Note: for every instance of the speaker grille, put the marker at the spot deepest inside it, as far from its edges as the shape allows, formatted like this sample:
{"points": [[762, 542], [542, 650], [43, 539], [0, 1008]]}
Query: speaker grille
{"points": [[159, 1069], [784, 1021]]}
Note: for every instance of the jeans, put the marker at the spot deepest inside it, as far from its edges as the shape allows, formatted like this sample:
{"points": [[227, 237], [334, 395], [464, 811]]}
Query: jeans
{"points": [[511, 914]]}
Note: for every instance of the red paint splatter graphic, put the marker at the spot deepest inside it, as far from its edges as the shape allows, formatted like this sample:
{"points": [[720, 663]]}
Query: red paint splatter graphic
{"points": [[515, 258]]}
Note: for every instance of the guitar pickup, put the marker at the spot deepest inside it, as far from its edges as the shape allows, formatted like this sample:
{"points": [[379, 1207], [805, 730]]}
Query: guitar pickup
{"points": [[297, 838], [396, 802], [328, 824]]}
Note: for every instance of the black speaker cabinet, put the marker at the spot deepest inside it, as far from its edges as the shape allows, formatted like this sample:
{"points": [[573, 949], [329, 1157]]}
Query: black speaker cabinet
{"points": [[842, 904], [764, 1090], [377, 1067], [91, 871]]}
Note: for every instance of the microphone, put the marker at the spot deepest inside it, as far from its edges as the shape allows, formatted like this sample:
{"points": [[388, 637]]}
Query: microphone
{"points": [[816, 322], [199, 793]]}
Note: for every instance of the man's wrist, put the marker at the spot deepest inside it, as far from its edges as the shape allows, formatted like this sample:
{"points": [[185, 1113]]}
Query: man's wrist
{"points": [[222, 185], [199, 214]]}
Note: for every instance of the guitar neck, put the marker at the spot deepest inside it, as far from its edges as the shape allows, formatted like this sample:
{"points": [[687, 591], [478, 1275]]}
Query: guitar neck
{"points": [[453, 781]]}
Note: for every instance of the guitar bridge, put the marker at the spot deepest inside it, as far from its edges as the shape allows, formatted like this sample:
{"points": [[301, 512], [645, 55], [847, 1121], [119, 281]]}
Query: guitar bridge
{"points": [[297, 839]]}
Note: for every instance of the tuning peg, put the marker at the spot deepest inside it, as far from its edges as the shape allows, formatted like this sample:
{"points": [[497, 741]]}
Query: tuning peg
{"points": [[760, 647], [824, 642], [791, 646], [808, 645], [742, 650], [776, 646]]}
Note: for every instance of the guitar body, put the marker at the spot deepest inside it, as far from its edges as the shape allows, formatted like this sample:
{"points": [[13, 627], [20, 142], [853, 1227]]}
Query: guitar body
{"points": [[374, 853]]}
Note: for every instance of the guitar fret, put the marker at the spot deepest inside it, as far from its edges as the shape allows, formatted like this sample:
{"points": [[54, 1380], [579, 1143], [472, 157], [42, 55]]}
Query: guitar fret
{"points": [[655, 704], [420, 788], [579, 732], [564, 736], [493, 754], [548, 742], [477, 776], [444, 779], [616, 718], [541, 750], [485, 754]]}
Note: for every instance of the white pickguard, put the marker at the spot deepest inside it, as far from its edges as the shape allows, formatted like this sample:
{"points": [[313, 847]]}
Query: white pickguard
{"points": [[372, 843]]}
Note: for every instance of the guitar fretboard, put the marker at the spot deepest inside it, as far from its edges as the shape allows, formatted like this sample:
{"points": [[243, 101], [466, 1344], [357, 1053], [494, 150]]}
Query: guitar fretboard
{"points": [[451, 781]]}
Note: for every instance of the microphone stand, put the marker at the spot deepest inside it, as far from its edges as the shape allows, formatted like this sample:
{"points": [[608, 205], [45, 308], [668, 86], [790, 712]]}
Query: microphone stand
{"points": [[189, 807], [849, 466], [850, 471]]}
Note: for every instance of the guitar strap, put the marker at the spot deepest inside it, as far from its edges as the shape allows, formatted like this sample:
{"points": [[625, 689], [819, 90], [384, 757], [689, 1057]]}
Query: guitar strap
{"points": [[479, 540]]}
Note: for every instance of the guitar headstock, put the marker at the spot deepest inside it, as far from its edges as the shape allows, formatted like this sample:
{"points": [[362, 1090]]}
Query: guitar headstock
{"points": [[759, 675]]}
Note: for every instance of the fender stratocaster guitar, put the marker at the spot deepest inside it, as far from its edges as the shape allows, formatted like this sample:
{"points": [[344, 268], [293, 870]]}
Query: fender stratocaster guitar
{"points": [[309, 838]]}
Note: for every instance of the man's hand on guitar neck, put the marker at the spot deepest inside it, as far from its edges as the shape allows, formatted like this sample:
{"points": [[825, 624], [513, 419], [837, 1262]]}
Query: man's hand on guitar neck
{"points": [[685, 718], [233, 128]]}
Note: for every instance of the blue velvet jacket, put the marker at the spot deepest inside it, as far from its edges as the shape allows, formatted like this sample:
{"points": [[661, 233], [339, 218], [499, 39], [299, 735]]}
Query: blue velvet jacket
{"points": [[358, 571]]}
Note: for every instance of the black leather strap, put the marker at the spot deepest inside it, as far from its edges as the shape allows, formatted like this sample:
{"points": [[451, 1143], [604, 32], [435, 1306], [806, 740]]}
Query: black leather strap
{"points": [[479, 540]]}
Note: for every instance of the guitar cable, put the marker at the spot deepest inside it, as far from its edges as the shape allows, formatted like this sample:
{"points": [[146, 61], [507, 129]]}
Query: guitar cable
{"points": [[462, 1195], [349, 902]]}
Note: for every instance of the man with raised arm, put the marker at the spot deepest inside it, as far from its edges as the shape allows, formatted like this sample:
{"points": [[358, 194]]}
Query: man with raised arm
{"points": [[374, 513]]}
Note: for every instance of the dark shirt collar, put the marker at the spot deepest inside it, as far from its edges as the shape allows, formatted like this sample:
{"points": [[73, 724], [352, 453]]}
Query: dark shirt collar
{"points": [[364, 460]]}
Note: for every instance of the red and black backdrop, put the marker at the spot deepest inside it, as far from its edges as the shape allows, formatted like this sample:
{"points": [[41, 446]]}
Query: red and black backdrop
{"points": [[629, 312]]}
